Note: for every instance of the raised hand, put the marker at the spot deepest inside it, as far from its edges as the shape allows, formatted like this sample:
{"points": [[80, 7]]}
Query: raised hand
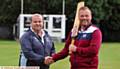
{"points": [[48, 60]]}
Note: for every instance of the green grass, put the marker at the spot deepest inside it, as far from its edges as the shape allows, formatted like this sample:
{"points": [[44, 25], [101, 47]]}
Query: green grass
{"points": [[9, 53], [109, 57], [61, 64]]}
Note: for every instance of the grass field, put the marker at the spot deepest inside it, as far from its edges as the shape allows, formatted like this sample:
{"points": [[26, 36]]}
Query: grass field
{"points": [[109, 57]]}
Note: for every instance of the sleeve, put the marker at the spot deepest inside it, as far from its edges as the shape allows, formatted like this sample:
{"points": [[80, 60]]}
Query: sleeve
{"points": [[26, 46], [93, 47], [52, 49], [64, 52]]}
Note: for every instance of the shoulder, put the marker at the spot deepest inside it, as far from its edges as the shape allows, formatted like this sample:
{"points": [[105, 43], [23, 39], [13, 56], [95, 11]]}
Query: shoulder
{"points": [[92, 28], [96, 31], [46, 33], [27, 34], [96, 28]]}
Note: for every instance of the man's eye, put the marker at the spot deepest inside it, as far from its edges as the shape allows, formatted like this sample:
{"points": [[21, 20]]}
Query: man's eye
{"points": [[86, 15], [39, 21], [81, 16], [35, 21]]}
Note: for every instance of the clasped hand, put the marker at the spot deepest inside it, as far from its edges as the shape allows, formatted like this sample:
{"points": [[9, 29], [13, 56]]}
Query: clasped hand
{"points": [[48, 60], [72, 48]]}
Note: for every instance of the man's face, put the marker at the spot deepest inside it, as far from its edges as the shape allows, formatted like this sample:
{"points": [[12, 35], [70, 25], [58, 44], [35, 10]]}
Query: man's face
{"points": [[37, 23], [85, 17]]}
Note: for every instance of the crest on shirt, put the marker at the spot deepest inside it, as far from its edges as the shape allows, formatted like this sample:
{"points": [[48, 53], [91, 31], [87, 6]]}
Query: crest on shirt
{"points": [[36, 39], [84, 35]]}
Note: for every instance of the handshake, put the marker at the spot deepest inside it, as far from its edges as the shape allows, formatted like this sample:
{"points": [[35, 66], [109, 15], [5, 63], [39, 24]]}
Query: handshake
{"points": [[48, 60]]}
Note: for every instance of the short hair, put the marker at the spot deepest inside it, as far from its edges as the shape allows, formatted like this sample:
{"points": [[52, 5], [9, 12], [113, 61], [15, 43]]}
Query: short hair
{"points": [[36, 14], [85, 8]]}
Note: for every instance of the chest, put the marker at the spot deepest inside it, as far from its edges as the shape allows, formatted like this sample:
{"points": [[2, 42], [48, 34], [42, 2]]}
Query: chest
{"points": [[83, 39], [37, 43]]}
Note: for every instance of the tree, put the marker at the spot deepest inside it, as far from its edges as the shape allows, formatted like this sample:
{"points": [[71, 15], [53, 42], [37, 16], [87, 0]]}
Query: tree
{"points": [[9, 11], [106, 14]]}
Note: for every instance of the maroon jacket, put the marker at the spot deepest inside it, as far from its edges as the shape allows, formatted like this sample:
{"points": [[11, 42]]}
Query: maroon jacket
{"points": [[86, 56]]}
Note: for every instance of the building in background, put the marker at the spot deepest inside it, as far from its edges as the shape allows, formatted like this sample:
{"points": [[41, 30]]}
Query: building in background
{"points": [[54, 24]]}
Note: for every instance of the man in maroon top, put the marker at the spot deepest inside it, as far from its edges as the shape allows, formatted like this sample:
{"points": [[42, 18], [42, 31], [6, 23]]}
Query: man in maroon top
{"points": [[86, 46]]}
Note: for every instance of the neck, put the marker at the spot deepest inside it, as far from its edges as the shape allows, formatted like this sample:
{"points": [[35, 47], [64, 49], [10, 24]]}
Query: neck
{"points": [[38, 32], [82, 28]]}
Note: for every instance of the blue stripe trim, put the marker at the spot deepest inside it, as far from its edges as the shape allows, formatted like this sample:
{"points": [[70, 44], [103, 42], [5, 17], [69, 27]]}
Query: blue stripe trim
{"points": [[84, 36]]}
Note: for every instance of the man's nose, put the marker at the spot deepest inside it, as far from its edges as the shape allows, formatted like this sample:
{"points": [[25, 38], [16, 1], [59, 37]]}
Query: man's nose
{"points": [[38, 23]]}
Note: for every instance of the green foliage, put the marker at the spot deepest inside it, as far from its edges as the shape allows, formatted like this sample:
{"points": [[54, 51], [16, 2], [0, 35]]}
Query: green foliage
{"points": [[43, 6], [112, 23], [9, 11], [96, 8], [106, 14]]}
